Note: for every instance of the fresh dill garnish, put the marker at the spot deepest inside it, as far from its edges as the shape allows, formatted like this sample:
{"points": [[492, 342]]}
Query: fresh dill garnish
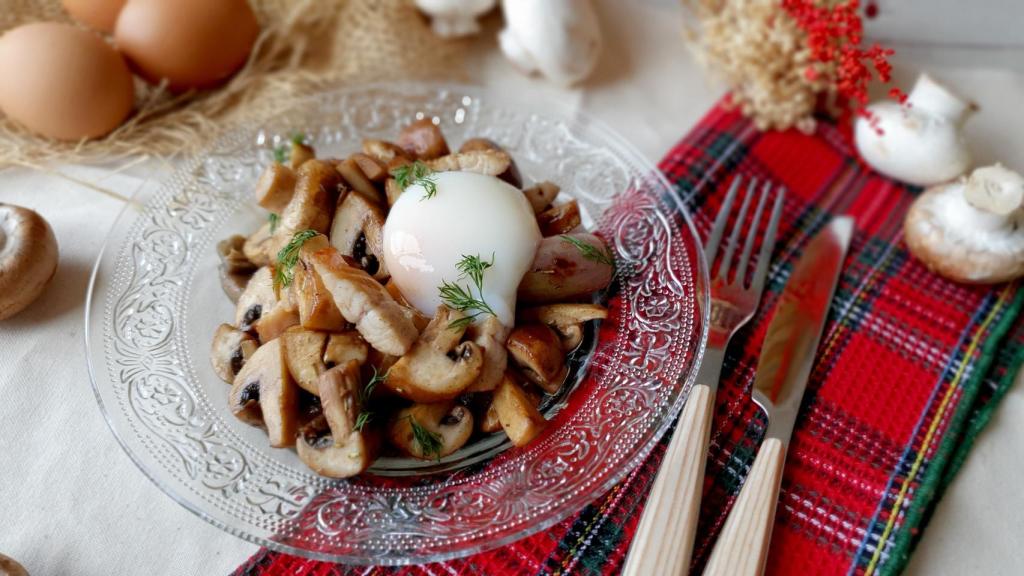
{"points": [[283, 151], [461, 298], [591, 252], [430, 443], [416, 173], [289, 255], [273, 219], [364, 398]]}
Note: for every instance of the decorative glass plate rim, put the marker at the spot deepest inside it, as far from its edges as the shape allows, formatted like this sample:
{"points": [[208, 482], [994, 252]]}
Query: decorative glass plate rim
{"points": [[552, 109]]}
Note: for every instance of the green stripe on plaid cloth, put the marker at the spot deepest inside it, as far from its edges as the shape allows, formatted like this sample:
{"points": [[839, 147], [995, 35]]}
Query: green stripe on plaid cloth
{"points": [[909, 370]]}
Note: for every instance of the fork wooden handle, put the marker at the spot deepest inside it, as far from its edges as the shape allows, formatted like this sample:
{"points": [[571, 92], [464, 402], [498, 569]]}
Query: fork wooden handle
{"points": [[742, 547], [664, 539]]}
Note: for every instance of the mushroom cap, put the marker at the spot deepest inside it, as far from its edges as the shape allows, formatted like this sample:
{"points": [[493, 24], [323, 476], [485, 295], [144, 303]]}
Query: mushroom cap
{"points": [[961, 242], [28, 258], [10, 567]]}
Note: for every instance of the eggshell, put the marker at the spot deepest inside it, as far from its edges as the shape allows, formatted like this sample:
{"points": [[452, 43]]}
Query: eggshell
{"points": [[63, 81], [98, 14], [191, 43]]}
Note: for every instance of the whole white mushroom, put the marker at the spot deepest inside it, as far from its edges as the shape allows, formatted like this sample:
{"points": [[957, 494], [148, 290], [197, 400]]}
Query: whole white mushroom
{"points": [[455, 18], [920, 143], [559, 39]]}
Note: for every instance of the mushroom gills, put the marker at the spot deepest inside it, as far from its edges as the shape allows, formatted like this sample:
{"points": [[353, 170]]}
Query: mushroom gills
{"points": [[264, 373], [259, 297], [431, 431], [230, 350], [335, 457], [437, 367], [357, 231]]}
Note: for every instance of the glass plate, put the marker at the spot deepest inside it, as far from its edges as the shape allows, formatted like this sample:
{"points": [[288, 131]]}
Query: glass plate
{"points": [[155, 301]]}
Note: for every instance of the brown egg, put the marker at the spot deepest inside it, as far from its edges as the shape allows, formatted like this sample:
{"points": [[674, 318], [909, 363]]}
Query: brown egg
{"points": [[62, 81], [98, 14], [191, 43]]}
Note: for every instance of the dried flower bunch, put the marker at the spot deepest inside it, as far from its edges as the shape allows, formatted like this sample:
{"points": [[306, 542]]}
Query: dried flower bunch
{"points": [[781, 58]]}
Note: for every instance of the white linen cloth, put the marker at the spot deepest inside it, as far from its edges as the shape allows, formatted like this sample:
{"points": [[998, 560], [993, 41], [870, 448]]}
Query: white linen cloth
{"points": [[71, 501]]}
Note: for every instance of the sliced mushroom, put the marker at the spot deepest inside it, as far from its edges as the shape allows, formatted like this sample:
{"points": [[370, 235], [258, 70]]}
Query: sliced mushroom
{"points": [[358, 231], [345, 347], [392, 191], [510, 175], [536, 349], [560, 219], [437, 367], [278, 397], [311, 206], [264, 373], [334, 456], [28, 258], [431, 431], [258, 298], [423, 139], [517, 412], [275, 187], [358, 181], [560, 271], [230, 350], [379, 362], [299, 154], [257, 246], [419, 319], [339, 390], [385, 152], [374, 170], [235, 269], [489, 162], [490, 422], [316, 307], [365, 303], [541, 195], [490, 336], [303, 351], [566, 319], [273, 323]]}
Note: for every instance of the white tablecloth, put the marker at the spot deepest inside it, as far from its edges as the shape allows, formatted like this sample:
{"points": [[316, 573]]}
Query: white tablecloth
{"points": [[71, 502]]}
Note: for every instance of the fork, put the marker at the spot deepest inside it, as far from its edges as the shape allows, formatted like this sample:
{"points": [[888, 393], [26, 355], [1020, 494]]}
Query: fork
{"points": [[664, 539]]}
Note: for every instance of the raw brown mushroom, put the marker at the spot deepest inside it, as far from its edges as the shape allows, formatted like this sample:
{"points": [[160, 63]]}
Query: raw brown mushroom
{"points": [[560, 271], [566, 319], [345, 347], [230, 350], [517, 412], [335, 456], [490, 336], [536, 349], [28, 258], [275, 187], [10, 567], [510, 175], [560, 219], [339, 391], [303, 353], [358, 231], [365, 303], [489, 162], [312, 204], [235, 269], [541, 195], [444, 427], [437, 367], [423, 139]]}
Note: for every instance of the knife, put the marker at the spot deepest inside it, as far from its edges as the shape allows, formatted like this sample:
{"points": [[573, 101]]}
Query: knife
{"points": [[783, 368]]}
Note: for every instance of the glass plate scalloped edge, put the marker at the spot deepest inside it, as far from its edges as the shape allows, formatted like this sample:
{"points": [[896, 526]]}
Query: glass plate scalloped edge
{"points": [[636, 379]]}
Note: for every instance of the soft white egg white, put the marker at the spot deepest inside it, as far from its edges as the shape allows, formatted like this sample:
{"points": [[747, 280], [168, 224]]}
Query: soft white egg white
{"points": [[470, 215]]}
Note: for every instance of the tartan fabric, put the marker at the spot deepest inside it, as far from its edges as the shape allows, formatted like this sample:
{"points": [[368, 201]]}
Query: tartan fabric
{"points": [[909, 369]]}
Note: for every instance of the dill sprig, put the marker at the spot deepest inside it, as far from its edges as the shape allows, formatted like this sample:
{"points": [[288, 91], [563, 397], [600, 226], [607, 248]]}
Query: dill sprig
{"points": [[461, 298], [274, 219], [289, 255], [430, 442], [416, 173], [591, 252], [364, 398], [283, 151]]}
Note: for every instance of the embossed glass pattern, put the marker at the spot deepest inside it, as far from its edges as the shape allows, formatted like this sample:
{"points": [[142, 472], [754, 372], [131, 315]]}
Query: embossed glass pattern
{"points": [[155, 301]]}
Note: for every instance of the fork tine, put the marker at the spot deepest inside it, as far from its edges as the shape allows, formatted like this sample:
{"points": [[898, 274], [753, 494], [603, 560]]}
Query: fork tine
{"points": [[768, 245], [734, 236], [711, 247], [755, 225]]}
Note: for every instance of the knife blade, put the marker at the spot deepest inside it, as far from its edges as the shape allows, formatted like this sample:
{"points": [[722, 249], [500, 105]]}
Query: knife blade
{"points": [[794, 332], [787, 357]]}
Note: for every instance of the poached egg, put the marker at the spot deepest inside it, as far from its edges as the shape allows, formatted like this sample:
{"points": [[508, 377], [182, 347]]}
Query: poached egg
{"points": [[469, 215]]}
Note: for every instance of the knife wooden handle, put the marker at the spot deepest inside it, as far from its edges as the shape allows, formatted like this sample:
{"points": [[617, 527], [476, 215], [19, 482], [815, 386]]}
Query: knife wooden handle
{"points": [[742, 547], [664, 539]]}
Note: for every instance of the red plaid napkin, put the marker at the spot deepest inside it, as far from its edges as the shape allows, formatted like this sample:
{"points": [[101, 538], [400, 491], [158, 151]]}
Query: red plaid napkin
{"points": [[909, 370]]}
